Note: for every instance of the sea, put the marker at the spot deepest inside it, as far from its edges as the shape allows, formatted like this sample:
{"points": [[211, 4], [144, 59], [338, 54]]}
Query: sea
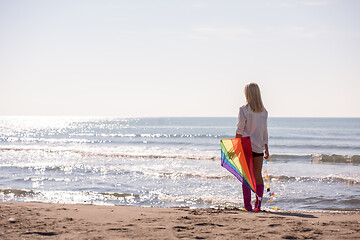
{"points": [[176, 162]]}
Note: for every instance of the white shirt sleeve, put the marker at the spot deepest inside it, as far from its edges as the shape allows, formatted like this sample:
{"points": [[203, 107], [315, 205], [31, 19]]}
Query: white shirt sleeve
{"points": [[241, 122], [266, 136]]}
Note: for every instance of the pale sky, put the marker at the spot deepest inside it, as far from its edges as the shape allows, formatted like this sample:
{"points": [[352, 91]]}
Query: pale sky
{"points": [[167, 58]]}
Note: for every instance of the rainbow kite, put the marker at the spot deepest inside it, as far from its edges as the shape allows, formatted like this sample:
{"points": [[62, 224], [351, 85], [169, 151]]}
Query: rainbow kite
{"points": [[236, 157]]}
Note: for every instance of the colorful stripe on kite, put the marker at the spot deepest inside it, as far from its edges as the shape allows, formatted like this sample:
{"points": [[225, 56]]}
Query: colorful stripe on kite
{"points": [[236, 157]]}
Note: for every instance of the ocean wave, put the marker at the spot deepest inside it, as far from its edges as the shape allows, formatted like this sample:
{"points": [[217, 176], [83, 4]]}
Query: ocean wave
{"points": [[327, 179], [319, 158], [206, 200], [120, 195], [17, 192], [280, 178], [174, 175], [84, 197], [47, 140], [113, 170], [159, 198], [313, 158], [89, 137], [323, 158], [85, 153], [315, 146], [313, 137], [274, 157], [151, 156]]}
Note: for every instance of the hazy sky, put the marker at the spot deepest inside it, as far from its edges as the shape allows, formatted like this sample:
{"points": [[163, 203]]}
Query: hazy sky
{"points": [[179, 58]]}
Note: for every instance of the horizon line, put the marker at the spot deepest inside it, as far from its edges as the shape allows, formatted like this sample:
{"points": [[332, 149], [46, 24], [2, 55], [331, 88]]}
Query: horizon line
{"points": [[113, 116]]}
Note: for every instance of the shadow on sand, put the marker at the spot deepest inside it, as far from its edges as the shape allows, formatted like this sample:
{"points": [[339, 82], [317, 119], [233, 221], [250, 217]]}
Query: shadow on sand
{"points": [[294, 214], [236, 210]]}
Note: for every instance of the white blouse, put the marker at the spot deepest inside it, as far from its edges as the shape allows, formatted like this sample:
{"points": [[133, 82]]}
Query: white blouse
{"points": [[254, 125]]}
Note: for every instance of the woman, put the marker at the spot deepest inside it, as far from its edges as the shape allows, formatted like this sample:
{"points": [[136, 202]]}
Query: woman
{"points": [[253, 123]]}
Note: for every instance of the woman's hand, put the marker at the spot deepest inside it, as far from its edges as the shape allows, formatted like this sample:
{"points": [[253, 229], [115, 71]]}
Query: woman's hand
{"points": [[238, 135], [266, 153]]}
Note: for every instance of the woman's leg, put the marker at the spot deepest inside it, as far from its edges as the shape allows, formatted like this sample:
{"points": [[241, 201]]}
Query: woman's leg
{"points": [[258, 162]]}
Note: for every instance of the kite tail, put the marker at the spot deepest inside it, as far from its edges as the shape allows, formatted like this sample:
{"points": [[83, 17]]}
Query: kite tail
{"points": [[271, 195]]}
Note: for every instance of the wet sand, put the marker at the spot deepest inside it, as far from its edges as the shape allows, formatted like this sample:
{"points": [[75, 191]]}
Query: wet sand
{"points": [[33, 220]]}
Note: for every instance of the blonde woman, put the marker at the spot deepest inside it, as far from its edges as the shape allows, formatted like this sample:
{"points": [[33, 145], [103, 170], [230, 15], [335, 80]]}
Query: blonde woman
{"points": [[253, 122]]}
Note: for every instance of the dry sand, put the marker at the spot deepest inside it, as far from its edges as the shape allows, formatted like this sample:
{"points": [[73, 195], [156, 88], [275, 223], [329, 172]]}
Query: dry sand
{"points": [[35, 220]]}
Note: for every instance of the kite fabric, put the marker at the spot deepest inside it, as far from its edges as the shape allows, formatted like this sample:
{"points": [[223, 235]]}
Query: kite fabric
{"points": [[236, 157]]}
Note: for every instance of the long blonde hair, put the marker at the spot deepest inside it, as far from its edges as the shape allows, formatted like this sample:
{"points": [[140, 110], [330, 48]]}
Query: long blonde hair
{"points": [[253, 97]]}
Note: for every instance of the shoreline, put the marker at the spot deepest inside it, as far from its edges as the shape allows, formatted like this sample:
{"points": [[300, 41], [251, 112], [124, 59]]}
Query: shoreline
{"points": [[38, 220]]}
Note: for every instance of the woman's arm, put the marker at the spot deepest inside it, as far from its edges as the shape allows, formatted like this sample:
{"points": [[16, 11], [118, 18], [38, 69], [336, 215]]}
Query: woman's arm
{"points": [[266, 140], [241, 124]]}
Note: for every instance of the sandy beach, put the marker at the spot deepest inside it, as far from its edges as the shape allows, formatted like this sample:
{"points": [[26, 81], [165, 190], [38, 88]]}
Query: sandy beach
{"points": [[34, 220]]}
